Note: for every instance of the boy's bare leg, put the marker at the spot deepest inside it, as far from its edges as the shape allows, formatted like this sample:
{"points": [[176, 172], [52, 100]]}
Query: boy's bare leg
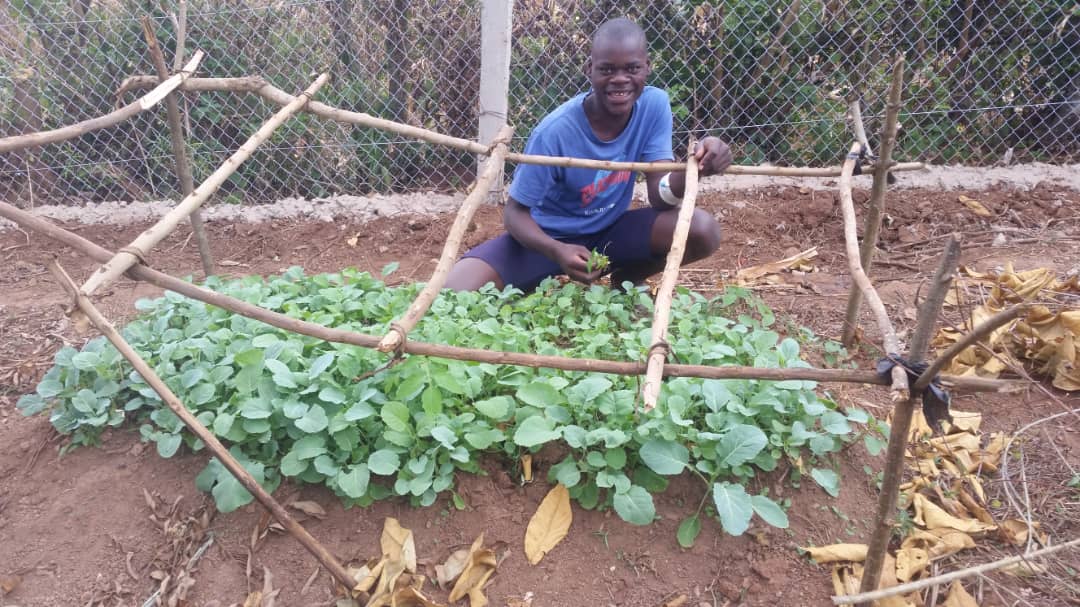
{"points": [[470, 274], [702, 241]]}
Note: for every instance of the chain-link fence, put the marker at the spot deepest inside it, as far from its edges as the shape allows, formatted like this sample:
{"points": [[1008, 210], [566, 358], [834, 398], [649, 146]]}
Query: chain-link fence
{"points": [[985, 79]]}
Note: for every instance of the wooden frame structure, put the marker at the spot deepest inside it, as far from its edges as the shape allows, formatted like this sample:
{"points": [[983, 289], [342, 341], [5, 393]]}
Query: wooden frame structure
{"points": [[131, 260]]}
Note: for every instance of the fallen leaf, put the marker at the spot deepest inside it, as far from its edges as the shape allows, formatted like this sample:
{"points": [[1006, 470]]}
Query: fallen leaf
{"points": [[526, 467], [452, 568], [549, 524], [1015, 531], [975, 206], [801, 261], [254, 599], [398, 545], [910, 562], [8, 584], [966, 421], [958, 597], [481, 565], [368, 575], [932, 516], [1024, 569], [844, 580], [310, 509], [678, 601], [352, 241], [381, 595], [974, 507], [837, 553], [411, 597]]}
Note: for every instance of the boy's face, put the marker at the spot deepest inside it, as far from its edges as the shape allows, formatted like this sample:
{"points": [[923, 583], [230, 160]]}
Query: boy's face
{"points": [[617, 70]]}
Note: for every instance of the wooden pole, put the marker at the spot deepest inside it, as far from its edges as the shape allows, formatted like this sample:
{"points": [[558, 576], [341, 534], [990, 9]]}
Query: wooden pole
{"points": [[858, 276], [141, 246], [179, 149], [918, 585], [147, 101], [496, 28], [901, 422], [399, 330], [872, 222], [658, 351], [141, 272], [208, 438], [273, 94]]}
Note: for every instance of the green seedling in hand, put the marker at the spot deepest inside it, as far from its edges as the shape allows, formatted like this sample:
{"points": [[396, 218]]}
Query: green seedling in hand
{"points": [[597, 262]]}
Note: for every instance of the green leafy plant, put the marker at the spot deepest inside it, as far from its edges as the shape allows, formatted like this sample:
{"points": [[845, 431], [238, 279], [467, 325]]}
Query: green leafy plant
{"points": [[597, 262], [291, 406]]}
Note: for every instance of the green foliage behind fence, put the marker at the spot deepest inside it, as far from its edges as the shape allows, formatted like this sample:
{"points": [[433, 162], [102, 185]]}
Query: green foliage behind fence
{"points": [[982, 78]]}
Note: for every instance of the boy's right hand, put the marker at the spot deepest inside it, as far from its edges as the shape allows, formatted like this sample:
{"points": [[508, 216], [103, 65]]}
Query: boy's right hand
{"points": [[574, 260]]}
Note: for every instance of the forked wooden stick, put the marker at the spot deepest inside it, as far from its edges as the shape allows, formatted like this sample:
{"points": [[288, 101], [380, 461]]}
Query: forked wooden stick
{"points": [[399, 329], [253, 84], [198, 429], [141, 272], [658, 351], [179, 149], [980, 332], [858, 276], [147, 101], [876, 212], [141, 246]]}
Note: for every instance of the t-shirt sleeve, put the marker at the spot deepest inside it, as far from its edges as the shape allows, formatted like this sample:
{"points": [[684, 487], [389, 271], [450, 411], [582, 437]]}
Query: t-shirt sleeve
{"points": [[533, 182], [658, 139]]}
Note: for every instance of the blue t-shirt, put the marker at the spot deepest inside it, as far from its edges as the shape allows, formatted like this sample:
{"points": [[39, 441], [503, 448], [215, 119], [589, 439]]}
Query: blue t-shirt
{"points": [[571, 201]]}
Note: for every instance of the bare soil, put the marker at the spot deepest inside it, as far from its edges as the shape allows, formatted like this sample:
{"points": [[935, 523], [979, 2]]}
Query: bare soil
{"points": [[77, 529]]}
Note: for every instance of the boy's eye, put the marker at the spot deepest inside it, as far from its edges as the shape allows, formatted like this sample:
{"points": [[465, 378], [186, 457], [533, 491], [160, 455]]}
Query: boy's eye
{"points": [[633, 69], [607, 71]]}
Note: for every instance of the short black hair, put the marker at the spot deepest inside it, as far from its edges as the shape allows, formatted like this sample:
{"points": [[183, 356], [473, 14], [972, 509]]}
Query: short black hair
{"points": [[620, 28]]}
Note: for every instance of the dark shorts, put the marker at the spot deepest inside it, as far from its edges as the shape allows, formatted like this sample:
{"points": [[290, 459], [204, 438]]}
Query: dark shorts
{"points": [[625, 242]]}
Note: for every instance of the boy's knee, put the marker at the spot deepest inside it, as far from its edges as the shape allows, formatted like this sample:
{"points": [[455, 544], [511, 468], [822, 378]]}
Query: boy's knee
{"points": [[704, 237]]}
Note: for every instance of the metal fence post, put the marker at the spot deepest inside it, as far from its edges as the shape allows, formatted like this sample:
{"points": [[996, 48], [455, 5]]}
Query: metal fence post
{"points": [[495, 41]]}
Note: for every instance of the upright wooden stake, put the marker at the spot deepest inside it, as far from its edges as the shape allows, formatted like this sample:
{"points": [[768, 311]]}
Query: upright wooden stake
{"points": [[141, 246], [496, 27], [901, 422], [399, 330], [872, 222], [654, 366], [198, 429], [179, 150]]}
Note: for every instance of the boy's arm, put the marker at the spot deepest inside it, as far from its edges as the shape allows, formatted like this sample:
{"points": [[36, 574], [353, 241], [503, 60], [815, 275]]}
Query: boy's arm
{"points": [[714, 157], [572, 258]]}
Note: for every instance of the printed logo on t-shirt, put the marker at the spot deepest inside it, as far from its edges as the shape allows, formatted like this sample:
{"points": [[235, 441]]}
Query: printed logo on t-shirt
{"points": [[602, 181]]}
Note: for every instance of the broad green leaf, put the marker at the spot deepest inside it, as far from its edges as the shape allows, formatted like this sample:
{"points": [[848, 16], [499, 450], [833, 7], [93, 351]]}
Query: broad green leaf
{"points": [[359, 411], [664, 457], [835, 422], [482, 439], [332, 394], [635, 506], [495, 408], [314, 420], [741, 444], [733, 506], [829, 480], [310, 446], [354, 481], [396, 416], [535, 430], [320, 364], [168, 444], [688, 532], [538, 393], [384, 462], [566, 472], [444, 435], [616, 458], [229, 494], [769, 511]]}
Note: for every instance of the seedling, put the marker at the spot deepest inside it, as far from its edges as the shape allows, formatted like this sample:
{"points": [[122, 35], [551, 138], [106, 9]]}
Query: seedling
{"points": [[597, 262]]}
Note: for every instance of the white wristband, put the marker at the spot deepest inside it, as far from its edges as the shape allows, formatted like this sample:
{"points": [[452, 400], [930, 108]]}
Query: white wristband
{"points": [[665, 191]]}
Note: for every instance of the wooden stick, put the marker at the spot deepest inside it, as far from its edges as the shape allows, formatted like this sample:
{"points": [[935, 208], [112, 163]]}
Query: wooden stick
{"points": [[851, 242], [275, 95], [179, 150], [399, 330], [141, 246], [281, 321], [881, 532], [658, 351], [931, 306], [147, 101], [945, 578], [181, 34], [208, 438], [872, 221], [980, 332]]}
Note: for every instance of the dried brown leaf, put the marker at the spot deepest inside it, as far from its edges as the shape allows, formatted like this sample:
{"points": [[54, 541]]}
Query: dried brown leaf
{"points": [[958, 597], [310, 508], [411, 597], [8, 584], [549, 524], [975, 206], [254, 599], [481, 566], [526, 467], [910, 562], [932, 516], [398, 545], [835, 553], [452, 568]]}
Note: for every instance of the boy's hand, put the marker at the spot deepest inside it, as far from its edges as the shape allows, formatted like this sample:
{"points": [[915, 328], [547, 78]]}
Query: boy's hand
{"points": [[574, 260], [713, 155]]}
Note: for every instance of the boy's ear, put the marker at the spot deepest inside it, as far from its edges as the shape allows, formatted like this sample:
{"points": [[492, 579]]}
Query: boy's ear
{"points": [[587, 69]]}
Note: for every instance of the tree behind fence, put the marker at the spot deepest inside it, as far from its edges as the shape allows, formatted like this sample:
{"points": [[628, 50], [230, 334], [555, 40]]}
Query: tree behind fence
{"points": [[984, 79]]}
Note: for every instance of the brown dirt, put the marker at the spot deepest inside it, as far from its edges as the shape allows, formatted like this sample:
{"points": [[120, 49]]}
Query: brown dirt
{"points": [[69, 526]]}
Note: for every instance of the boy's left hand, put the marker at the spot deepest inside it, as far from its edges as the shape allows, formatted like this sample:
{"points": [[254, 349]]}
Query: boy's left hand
{"points": [[713, 156]]}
